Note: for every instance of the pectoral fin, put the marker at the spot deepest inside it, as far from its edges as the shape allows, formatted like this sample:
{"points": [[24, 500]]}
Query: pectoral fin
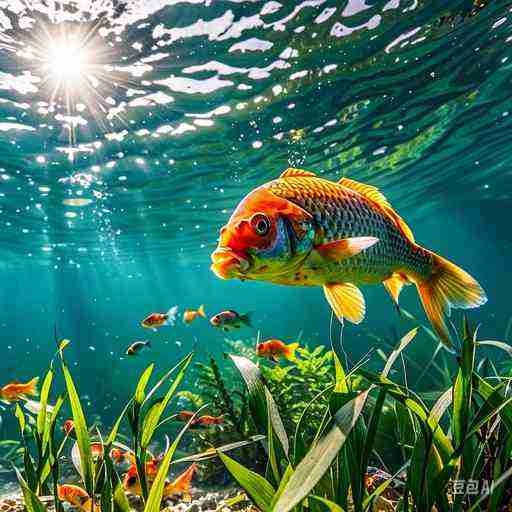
{"points": [[394, 286], [345, 248], [346, 300]]}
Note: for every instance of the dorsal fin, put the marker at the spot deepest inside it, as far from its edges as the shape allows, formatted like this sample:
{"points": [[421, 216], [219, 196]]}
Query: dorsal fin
{"points": [[374, 194], [368, 191], [293, 172]]}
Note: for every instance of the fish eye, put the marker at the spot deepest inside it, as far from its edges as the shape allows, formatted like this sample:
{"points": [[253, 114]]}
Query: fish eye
{"points": [[261, 223]]}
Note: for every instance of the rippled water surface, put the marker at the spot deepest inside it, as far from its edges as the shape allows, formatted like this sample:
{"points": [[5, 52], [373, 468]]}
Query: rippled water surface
{"points": [[135, 127]]}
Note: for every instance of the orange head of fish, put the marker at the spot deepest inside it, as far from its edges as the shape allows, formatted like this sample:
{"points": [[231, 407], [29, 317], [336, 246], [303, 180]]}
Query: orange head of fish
{"points": [[266, 236]]}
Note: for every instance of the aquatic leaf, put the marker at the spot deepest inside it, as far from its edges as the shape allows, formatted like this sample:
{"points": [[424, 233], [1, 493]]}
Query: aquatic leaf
{"points": [[298, 448], [113, 433], [257, 402], [487, 392], [492, 489], [396, 352], [318, 460], [43, 400], [81, 432], [333, 507], [62, 345], [156, 492], [282, 484], [140, 390], [31, 501], [154, 414], [370, 434], [211, 453], [275, 423], [496, 344], [462, 392], [21, 418], [121, 503], [256, 486], [166, 376], [258, 399]]}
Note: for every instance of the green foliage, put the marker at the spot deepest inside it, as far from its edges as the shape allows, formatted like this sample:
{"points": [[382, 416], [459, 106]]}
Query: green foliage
{"points": [[465, 435]]}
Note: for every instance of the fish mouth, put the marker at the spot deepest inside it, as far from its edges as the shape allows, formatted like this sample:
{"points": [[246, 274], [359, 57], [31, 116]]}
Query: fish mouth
{"points": [[227, 264]]}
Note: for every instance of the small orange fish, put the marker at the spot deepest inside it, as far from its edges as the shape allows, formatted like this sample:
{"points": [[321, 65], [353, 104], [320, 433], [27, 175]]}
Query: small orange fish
{"points": [[120, 456], [156, 320], [77, 497], [275, 349], [304, 230], [68, 427], [17, 390], [191, 314], [131, 482], [96, 450], [201, 421], [180, 487]]}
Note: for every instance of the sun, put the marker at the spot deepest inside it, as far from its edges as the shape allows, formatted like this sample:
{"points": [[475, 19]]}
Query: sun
{"points": [[66, 61]]}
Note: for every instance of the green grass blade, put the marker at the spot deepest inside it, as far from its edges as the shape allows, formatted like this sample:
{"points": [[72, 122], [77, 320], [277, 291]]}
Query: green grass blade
{"points": [[155, 413], [258, 400], [115, 429], [31, 501], [140, 390], [43, 399], [256, 486], [401, 346], [318, 460], [81, 432], [333, 507], [155, 494]]}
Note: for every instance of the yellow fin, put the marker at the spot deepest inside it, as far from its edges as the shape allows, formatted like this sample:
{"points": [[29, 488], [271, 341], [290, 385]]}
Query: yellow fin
{"points": [[394, 285], [368, 191], [374, 194], [346, 300], [345, 248], [293, 172], [448, 287]]}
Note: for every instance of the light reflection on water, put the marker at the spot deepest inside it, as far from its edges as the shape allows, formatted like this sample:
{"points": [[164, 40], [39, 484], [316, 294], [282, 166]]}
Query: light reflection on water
{"points": [[163, 114]]}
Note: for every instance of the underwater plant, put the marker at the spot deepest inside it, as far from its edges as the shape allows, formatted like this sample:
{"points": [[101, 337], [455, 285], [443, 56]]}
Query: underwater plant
{"points": [[456, 453]]}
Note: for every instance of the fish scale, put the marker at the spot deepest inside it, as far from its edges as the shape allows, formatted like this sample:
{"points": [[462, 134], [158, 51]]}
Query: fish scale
{"points": [[341, 213]]}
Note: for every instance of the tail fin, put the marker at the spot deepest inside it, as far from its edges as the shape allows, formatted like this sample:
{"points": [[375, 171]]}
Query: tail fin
{"points": [[181, 486], [290, 352], [200, 311], [32, 387], [448, 287]]}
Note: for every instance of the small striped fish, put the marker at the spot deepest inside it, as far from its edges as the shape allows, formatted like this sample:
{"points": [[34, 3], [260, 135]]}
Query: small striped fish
{"points": [[304, 230]]}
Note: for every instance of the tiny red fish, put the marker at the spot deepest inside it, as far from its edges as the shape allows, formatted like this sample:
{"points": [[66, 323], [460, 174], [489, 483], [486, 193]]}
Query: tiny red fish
{"points": [[156, 320], [275, 349], [18, 390], [96, 450], [180, 487], [201, 421], [120, 456], [191, 314], [68, 427]]}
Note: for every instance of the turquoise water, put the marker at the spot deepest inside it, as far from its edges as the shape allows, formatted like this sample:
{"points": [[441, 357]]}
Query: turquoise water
{"points": [[130, 131]]}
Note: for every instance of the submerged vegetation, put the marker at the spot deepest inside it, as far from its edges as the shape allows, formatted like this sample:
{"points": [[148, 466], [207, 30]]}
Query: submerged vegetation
{"points": [[308, 435]]}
